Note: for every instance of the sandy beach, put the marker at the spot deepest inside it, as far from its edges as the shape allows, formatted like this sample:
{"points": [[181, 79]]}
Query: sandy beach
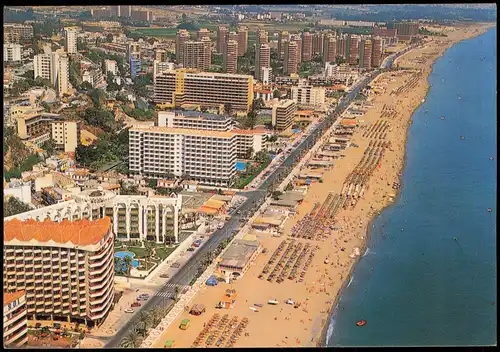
{"points": [[283, 325]]}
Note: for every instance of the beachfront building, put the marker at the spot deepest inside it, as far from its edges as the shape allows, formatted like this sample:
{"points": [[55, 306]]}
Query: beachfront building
{"points": [[194, 120], [149, 218], [245, 139], [15, 324], [206, 156], [305, 94], [237, 259], [283, 114], [206, 89], [365, 54], [66, 268]]}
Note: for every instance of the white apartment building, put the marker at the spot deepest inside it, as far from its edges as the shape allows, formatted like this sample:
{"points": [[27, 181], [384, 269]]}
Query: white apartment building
{"points": [[283, 114], [266, 75], [53, 67], [62, 69], [42, 64], [256, 139], [15, 324], [65, 135], [150, 218], [22, 191], [110, 66], [66, 269], [305, 94], [340, 72], [194, 120], [206, 156], [11, 52], [160, 67], [71, 40]]}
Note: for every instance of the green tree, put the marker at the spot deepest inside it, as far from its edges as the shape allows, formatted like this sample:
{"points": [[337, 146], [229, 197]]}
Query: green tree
{"points": [[14, 206], [49, 146], [127, 263], [131, 340], [169, 237], [143, 324], [228, 109], [149, 254], [262, 157], [273, 138], [276, 94], [249, 153]]}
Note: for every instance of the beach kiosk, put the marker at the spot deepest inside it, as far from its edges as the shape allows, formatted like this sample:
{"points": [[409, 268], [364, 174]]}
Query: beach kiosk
{"points": [[197, 309], [228, 300]]}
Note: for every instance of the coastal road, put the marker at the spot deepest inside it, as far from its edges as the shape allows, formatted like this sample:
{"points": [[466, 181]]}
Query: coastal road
{"points": [[254, 200]]}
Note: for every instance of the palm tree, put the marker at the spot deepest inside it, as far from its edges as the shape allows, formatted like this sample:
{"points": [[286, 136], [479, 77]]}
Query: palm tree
{"points": [[118, 265], [131, 340], [143, 324], [169, 237], [156, 316], [149, 253], [127, 260], [176, 293]]}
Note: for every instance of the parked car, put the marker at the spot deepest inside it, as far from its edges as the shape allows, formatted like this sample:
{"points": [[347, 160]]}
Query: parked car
{"points": [[135, 304], [190, 249], [175, 265], [165, 275], [129, 310]]}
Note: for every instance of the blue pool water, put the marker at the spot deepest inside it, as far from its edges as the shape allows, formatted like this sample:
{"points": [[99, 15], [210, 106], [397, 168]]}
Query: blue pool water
{"points": [[241, 165], [123, 254], [297, 131], [420, 287]]}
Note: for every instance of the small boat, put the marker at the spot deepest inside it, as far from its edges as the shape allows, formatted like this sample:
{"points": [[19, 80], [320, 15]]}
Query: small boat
{"points": [[455, 238], [489, 210], [492, 158], [273, 302], [361, 322], [326, 261], [462, 137], [442, 117], [253, 309], [258, 305]]}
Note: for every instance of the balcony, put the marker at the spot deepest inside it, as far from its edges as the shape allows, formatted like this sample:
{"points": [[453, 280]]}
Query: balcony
{"points": [[18, 335]]}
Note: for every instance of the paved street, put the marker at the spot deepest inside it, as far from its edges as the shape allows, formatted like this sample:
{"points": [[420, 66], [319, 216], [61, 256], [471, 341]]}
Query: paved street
{"points": [[185, 273]]}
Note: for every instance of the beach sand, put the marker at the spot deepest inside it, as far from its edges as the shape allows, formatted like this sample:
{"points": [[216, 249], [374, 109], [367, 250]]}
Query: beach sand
{"points": [[286, 326]]}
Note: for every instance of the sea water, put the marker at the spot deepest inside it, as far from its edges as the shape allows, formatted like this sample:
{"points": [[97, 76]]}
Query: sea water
{"points": [[418, 286]]}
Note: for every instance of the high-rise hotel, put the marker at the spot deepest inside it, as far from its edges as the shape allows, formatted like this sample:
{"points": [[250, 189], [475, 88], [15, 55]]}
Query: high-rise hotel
{"points": [[207, 89], [202, 147], [65, 268]]}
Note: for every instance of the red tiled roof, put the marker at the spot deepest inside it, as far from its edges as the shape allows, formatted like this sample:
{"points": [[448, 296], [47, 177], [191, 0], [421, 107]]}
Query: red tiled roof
{"points": [[81, 232], [9, 297]]}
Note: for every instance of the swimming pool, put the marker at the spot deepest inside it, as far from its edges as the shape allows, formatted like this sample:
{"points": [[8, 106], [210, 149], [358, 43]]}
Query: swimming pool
{"points": [[241, 165], [296, 131], [123, 254]]}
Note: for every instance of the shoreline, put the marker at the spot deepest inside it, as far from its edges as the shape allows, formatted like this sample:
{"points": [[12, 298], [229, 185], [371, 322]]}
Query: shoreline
{"points": [[322, 341], [353, 225]]}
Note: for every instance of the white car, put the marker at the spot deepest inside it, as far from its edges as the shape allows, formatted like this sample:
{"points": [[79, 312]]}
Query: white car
{"points": [[129, 310]]}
